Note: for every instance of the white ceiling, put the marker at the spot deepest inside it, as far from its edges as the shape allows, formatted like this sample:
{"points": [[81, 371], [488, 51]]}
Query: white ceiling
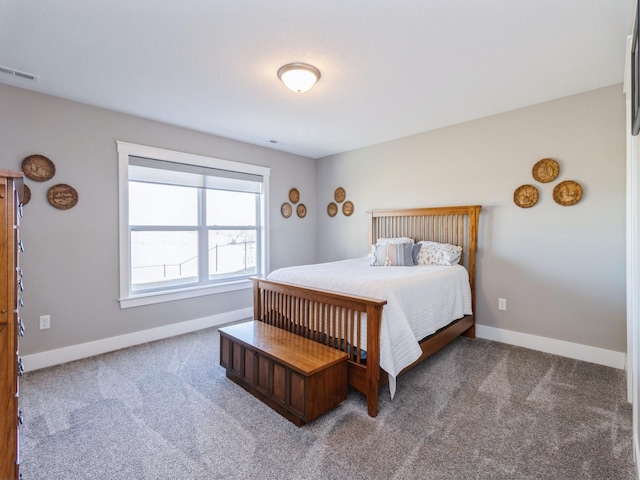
{"points": [[389, 68]]}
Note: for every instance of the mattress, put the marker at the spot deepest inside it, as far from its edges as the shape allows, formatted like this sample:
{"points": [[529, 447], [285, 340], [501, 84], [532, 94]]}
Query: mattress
{"points": [[420, 300]]}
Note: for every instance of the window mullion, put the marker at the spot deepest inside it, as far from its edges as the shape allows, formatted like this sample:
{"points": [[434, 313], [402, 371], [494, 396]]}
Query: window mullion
{"points": [[161, 228], [203, 237]]}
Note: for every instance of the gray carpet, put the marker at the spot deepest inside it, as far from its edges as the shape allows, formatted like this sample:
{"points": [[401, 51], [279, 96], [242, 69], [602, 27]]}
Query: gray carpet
{"points": [[476, 410]]}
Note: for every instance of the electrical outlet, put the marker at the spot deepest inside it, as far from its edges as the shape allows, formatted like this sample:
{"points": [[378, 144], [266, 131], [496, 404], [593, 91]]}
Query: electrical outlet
{"points": [[502, 304], [45, 322]]}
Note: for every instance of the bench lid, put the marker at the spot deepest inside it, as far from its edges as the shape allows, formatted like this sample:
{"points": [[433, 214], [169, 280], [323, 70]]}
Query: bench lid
{"points": [[298, 353]]}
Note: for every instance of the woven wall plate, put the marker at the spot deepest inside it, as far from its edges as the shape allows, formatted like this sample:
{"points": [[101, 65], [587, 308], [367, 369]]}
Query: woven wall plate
{"points": [[62, 196], [301, 210], [526, 196], [332, 209], [339, 195], [294, 195], [347, 208], [38, 168], [286, 210], [546, 170], [26, 194], [567, 193]]}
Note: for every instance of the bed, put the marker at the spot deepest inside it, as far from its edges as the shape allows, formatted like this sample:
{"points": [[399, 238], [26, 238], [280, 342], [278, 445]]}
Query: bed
{"points": [[362, 325]]}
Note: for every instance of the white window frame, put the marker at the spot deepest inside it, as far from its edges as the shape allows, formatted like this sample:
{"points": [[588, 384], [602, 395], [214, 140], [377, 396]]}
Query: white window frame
{"points": [[126, 150]]}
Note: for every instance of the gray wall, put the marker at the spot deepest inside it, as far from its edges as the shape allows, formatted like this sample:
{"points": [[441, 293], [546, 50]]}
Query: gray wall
{"points": [[71, 262], [561, 269]]}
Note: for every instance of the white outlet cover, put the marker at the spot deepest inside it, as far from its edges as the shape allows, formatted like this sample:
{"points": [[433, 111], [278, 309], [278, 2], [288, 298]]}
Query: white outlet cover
{"points": [[45, 322]]}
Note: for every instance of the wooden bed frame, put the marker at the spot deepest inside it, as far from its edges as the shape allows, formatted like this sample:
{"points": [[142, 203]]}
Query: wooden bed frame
{"points": [[335, 319]]}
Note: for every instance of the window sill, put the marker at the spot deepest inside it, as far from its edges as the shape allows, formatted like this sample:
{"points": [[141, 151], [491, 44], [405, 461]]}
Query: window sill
{"points": [[159, 297]]}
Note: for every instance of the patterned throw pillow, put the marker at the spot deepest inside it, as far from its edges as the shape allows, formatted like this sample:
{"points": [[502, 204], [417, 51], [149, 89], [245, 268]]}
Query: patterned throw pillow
{"points": [[391, 254], [434, 253]]}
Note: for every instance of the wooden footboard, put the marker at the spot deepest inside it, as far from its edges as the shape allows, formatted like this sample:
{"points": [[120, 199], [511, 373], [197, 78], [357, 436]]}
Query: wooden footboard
{"points": [[330, 318]]}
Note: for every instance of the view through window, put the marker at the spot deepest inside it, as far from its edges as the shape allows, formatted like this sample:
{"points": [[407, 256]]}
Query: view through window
{"points": [[170, 223], [190, 226]]}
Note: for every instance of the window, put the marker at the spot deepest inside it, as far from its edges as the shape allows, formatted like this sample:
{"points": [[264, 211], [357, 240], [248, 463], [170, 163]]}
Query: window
{"points": [[189, 225]]}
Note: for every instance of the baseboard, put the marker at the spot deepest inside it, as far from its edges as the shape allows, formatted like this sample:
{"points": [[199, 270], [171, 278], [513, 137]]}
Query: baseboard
{"points": [[609, 358], [49, 358]]}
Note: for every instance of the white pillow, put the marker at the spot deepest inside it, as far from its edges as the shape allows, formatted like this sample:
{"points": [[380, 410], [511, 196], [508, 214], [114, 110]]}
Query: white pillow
{"points": [[434, 253], [384, 241]]}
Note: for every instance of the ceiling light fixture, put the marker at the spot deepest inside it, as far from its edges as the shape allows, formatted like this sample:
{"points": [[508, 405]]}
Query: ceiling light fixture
{"points": [[299, 77]]}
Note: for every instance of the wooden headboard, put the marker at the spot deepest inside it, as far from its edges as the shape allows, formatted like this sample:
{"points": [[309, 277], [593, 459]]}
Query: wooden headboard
{"points": [[455, 225]]}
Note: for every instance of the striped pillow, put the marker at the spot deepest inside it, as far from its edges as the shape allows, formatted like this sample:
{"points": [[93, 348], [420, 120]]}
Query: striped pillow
{"points": [[392, 254]]}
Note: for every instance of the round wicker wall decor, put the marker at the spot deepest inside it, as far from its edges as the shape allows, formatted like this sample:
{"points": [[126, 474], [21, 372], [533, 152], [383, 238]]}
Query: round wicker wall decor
{"points": [[526, 196], [62, 196], [26, 194], [546, 170], [301, 210], [294, 195], [286, 210], [38, 168], [347, 208], [567, 193]]}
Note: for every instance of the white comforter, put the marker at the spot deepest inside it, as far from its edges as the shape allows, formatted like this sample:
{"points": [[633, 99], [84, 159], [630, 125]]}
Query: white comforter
{"points": [[420, 300]]}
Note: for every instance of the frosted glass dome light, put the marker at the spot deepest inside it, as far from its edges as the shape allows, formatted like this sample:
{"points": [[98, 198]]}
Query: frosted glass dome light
{"points": [[299, 77]]}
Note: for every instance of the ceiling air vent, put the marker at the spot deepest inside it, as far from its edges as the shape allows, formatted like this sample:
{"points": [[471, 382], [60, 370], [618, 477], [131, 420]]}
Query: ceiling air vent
{"points": [[18, 73]]}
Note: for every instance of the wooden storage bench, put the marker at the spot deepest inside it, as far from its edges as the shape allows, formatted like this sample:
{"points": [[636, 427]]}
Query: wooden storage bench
{"points": [[297, 377]]}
